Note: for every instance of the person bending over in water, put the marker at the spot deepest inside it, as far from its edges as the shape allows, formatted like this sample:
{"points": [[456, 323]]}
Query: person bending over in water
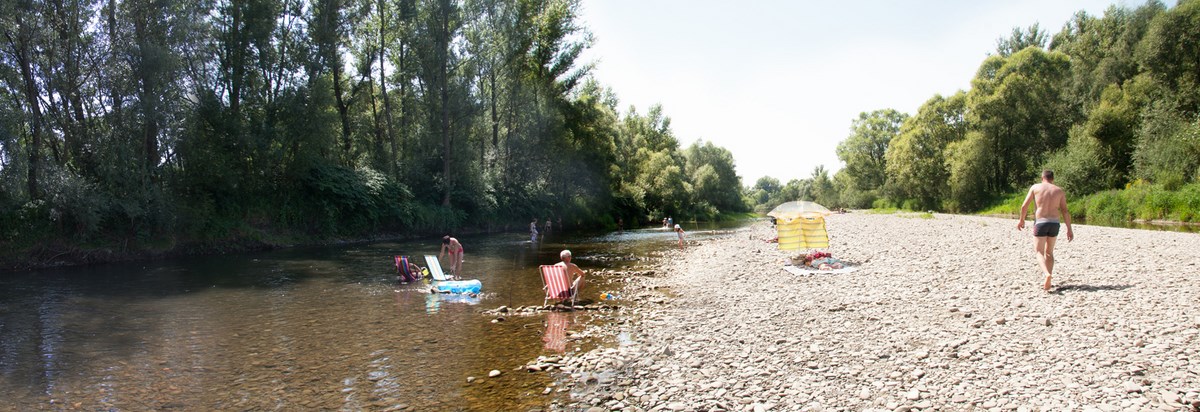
{"points": [[1051, 203], [455, 250], [679, 231], [565, 255]]}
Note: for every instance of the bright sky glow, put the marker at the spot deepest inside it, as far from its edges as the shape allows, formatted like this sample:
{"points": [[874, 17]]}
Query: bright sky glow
{"points": [[778, 82]]}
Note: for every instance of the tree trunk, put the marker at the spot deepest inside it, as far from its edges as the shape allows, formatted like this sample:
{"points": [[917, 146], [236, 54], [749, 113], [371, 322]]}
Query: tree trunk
{"points": [[447, 142], [403, 94], [378, 123], [387, 104], [148, 98], [114, 94], [21, 48], [343, 110], [236, 50]]}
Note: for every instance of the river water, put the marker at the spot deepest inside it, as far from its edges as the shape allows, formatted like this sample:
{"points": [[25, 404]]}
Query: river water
{"points": [[297, 329]]}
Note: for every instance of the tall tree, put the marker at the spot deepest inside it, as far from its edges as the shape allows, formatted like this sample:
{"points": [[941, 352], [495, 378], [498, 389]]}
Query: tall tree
{"points": [[916, 162], [1020, 39], [865, 149], [22, 30]]}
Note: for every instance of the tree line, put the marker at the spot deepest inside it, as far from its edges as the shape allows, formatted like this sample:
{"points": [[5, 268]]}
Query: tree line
{"points": [[173, 120], [1107, 102]]}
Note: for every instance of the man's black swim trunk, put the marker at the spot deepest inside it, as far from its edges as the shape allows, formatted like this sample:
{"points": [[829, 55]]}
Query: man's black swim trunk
{"points": [[1045, 228]]}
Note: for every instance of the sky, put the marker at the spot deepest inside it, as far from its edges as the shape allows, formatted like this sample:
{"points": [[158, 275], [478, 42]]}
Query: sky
{"points": [[778, 83]]}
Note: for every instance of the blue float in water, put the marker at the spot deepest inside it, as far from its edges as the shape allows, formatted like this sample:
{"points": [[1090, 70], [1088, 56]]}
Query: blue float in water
{"points": [[459, 286]]}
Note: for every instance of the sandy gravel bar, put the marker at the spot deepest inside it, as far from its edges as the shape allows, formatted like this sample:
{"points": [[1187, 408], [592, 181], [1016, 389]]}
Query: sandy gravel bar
{"points": [[944, 314]]}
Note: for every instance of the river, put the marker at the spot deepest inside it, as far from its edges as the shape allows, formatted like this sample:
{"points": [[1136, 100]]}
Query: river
{"points": [[301, 328]]}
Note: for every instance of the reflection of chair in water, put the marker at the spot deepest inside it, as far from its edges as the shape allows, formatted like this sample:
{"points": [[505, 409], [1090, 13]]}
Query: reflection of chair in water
{"points": [[556, 331], [557, 284], [435, 268]]}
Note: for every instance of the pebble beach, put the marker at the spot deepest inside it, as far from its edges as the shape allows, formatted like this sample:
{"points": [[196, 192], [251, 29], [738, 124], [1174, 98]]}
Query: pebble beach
{"points": [[944, 312]]}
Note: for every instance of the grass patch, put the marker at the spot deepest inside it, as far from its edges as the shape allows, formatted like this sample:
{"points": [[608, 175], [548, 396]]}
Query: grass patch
{"points": [[730, 217], [916, 215], [883, 211], [1138, 201], [1007, 205]]}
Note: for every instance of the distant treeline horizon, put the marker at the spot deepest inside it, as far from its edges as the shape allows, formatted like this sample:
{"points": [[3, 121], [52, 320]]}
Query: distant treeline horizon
{"points": [[145, 124], [1110, 103]]}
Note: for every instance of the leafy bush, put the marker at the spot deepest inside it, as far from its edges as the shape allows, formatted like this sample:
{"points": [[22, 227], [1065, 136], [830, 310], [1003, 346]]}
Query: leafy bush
{"points": [[1081, 167], [1168, 150], [1108, 208]]}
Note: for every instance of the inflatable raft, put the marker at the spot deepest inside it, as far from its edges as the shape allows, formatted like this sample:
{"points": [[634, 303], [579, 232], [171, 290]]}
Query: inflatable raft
{"points": [[458, 286]]}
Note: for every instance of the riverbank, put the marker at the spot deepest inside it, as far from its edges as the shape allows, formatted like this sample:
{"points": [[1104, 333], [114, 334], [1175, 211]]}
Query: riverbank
{"points": [[943, 314], [64, 253]]}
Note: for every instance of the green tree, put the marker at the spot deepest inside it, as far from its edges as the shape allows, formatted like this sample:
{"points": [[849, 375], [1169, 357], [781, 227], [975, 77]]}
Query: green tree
{"points": [[714, 176], [865, 150], [822, 188], [1017, 107], [1020, 39], [916, 164], [1170, 54]]}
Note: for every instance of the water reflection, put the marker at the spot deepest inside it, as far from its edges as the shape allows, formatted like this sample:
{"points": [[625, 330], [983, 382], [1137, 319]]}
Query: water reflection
{"points": [[434, 301], [555, 336], [298, 329]]}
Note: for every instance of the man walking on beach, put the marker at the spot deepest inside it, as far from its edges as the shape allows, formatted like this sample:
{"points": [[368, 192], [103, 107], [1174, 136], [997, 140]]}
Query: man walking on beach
{"points": [[1051, 203]]}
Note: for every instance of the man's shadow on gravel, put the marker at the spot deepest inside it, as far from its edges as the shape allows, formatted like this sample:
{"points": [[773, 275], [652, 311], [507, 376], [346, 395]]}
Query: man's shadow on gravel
{"points": [[1088, 288]]}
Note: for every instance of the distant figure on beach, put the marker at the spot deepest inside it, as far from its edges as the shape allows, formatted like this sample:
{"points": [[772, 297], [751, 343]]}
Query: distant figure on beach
{"points": [[1051, 204], [620, 224], [455, 250], [565, 256], [665, 223], [533, 233], [548, 225], [679, 231]]}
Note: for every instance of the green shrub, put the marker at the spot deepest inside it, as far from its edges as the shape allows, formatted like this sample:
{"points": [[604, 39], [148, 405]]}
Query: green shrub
{"points": [[1109, 208], [1156, 203], [1187, 203], [1008, 205], [1082, 166]]}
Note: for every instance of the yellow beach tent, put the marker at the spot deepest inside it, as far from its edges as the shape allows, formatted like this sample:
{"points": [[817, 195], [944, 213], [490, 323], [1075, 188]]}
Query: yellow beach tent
{"points": [[802, 233], [801, 225]]}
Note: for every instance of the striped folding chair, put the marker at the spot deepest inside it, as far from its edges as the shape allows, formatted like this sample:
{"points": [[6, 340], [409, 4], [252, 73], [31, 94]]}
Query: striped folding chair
{"points": [[402, 268], [557, 284]]}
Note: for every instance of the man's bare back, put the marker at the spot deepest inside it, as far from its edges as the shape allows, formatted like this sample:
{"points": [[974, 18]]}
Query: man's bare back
{"points": [[1049, 199]]}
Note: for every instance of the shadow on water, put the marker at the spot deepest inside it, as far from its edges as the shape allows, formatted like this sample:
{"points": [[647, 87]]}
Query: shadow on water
{"points": [[303, 328], [1089, 288]]}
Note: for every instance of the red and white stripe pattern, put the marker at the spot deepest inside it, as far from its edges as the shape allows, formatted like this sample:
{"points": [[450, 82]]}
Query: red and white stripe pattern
{"points": [[558, 284], [556, 331]]}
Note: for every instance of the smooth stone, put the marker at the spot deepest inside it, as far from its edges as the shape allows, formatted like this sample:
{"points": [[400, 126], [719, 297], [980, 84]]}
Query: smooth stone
{"points": [[494, 373], [1130, 387]]}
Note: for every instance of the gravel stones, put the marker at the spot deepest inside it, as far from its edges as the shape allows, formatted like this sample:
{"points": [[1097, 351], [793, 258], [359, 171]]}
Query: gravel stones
{"points": [[943, 314]]}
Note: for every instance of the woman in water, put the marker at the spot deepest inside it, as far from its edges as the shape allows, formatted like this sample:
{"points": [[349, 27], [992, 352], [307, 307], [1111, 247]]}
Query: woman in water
{"points": [[455, 250]]}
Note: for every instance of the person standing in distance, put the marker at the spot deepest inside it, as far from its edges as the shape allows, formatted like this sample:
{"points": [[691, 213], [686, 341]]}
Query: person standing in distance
{"points": [[452, 247], [1051, 203], [533, 232]]}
